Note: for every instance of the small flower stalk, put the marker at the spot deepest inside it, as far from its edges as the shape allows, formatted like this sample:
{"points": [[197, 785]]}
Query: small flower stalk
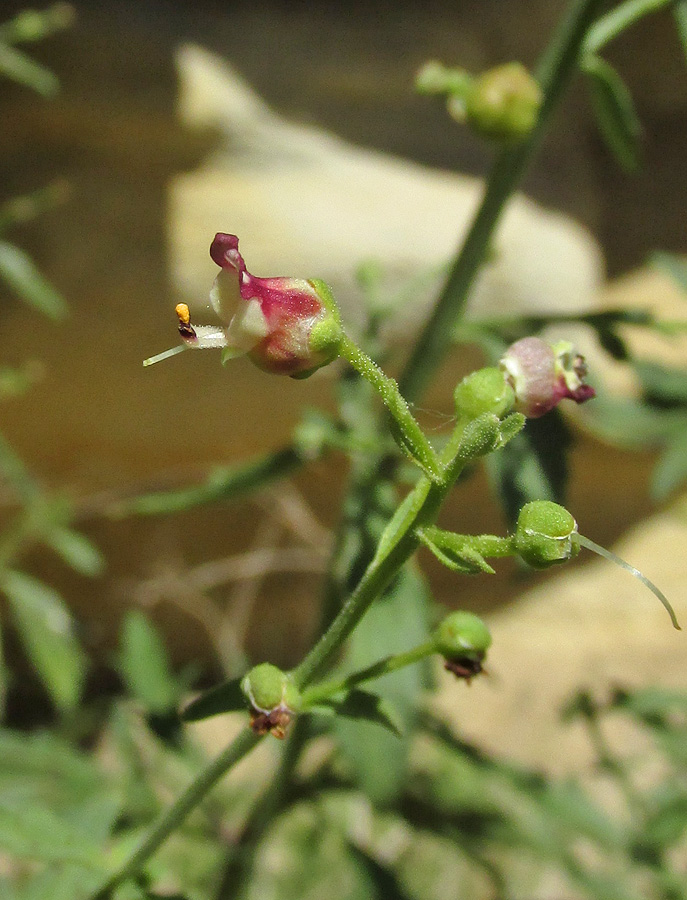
{"points": [[286, 326], [273, 698], [541, 375]]}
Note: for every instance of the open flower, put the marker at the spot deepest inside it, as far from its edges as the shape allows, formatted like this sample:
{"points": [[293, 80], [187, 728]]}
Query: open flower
{"points": [[542, 375], [287, 326]]}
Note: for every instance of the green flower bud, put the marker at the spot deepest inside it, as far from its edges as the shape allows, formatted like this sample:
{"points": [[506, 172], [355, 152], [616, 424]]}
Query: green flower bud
{"points": [[480, 437], [463, 640], [504, 103], [546, 534], [273, 698], [484, 391]]}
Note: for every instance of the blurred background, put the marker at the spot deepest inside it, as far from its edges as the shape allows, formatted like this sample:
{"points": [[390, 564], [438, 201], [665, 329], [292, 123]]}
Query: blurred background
{"points": [[97, 427]]}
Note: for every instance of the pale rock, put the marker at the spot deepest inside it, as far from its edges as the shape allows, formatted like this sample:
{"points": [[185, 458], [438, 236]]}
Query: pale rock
{"points": [[308, 204]]}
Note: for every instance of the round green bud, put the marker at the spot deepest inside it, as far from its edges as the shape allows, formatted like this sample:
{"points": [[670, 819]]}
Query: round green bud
{"points": [[545, 534], [462, 635], [484, 391], [504, 103], [267, 688]]}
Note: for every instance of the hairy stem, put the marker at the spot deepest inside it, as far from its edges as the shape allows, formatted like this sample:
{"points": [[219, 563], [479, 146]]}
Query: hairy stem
{"points": [[555, 70]]}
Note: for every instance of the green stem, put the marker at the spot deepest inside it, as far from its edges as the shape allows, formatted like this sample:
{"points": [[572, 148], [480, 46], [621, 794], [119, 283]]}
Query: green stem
{"points": [[554, 72], [617, 20], [382, 667], [177, 812], [409, 436], [397, 544]]}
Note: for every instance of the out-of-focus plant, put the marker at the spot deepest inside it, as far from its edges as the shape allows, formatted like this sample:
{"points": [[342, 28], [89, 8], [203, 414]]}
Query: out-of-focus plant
{"points": [[36, 515], [371, 795]]}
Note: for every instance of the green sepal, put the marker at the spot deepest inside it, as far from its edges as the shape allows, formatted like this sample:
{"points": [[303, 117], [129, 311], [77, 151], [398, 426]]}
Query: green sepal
{"points": [[362, 705], [511, 426], [226, 697], [229, 353], [453, 551]]}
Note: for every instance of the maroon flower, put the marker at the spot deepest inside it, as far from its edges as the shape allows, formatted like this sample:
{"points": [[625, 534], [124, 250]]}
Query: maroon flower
{"points": [[542, 375]]}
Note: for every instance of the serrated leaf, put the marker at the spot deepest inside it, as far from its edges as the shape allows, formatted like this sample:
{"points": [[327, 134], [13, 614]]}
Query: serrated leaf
{"points": [[45, 628], [363, 705], [144, 665], [670, 472], [227, 697], [19, 272], [77, 551], [615, 111], [451, 550]]}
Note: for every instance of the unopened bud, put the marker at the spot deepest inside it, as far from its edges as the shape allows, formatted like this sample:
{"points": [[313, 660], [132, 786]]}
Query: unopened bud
{"points": [[273, 699], [463, 640], [545, 534], [504, 103], [484, 391]]}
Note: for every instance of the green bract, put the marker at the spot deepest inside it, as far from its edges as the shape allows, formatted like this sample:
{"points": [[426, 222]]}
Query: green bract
{"points": [[544, 534]]}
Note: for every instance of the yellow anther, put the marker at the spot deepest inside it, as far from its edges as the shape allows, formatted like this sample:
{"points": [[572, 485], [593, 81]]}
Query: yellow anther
{"points": [[182, 311]]}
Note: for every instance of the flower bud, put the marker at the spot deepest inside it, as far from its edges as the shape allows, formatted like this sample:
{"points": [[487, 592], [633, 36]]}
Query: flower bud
{"points": [[463, 640], [542, 375], [484, 391], [287, 326], [504, 102], [273, 698], [545, 534]]}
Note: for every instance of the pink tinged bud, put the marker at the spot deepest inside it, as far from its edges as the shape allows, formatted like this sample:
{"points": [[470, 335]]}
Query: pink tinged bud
{"points": [[542, 375]]}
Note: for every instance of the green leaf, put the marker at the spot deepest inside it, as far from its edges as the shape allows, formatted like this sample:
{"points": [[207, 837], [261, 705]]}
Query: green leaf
{"points": [[663, 383], [77, 551], [680, 13], [395, 622], [17, 66], [144, 664], [45, 628], [362, 705], [19, 272], [615, 112], [451, 550], [387, 885], [224, 483], [670, 472], [673, 266], [227, 697]]}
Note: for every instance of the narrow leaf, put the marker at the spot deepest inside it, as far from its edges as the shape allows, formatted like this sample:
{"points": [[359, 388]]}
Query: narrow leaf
{"points": [[680, 13], [45, 628], [227, 697], [363, 705], [615, 112], [145, 666], [670, 472], [77, 551], [17, 66], [19, 272]]}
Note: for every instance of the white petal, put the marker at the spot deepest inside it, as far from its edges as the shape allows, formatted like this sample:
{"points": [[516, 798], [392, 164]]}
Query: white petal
{"points": [[224, 294], [248, 327]]}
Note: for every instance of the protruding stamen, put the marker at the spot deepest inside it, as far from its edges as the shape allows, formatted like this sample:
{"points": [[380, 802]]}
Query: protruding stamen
{"points": [[164, 355], [601, 551], [186, 330]]}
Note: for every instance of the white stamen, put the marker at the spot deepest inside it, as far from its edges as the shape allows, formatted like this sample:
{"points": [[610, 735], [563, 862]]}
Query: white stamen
{"points": [[164, 355], [601, 551]]}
